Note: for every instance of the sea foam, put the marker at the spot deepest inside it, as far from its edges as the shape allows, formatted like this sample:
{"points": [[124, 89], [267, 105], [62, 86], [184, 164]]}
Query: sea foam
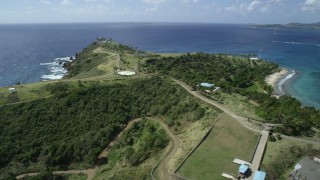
{"points": [[57, 71], [283, 81], [287, 42]]}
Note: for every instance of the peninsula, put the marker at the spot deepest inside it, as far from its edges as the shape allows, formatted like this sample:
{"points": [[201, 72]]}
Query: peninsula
{"points": [[124, 113], [289, 26]]}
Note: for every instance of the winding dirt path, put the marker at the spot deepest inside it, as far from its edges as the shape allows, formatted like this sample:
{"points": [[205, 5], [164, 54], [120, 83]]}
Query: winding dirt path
{"points": [[106, 151], [163, 170]]}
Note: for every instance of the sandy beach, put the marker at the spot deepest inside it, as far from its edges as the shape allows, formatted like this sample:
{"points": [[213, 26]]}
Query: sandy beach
{"points": [[275, 77]]}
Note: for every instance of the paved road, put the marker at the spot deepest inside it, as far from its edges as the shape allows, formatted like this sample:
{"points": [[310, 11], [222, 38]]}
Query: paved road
{"points": [[259, 151]]}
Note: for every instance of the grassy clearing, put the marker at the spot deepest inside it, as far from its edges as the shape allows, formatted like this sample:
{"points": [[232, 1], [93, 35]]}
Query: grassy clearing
{"points": [[49, 175], [237, 103], [255, 88], [228, 140], [97, 64], [108, 66], [38, 90], [25, 92], [130, 61], [89, 67], [76, 177], [273, 148], [314, 135], [190, 135], [281, 156]]}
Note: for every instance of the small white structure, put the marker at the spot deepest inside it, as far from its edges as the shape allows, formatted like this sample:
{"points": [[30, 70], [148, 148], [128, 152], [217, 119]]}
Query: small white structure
{"points": [[254, 58], [207, 85], [227, 176], [12, 90], [126, 73], [239, 161], [216, 89]]}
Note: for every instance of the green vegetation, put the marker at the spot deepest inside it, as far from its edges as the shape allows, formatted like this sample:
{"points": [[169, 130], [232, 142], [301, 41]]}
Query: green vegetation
{"points": [[71, 128], [62, 125], [143, 139], [239, 75], [281, 156], [130, 156], [103, 57], [25, 92], [47, 175], [227, 140], [287, 111], [239, 104], [231, 73]]}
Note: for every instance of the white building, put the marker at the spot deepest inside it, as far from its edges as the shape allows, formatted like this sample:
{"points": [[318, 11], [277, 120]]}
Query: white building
{"points": [[12, 90]]}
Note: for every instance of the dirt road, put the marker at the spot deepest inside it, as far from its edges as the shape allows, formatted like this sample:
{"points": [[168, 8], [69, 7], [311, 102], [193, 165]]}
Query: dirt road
{"points": [[241, 120], [106, 151], [162, 168]]}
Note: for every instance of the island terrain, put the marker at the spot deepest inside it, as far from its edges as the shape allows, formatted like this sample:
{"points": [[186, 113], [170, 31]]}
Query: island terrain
{"points": [[123, 113]]}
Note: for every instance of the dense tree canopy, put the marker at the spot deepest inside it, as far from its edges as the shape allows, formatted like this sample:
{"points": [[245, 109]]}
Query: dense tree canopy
{"points": [[76, 124], [237, 75], [231, 73]]}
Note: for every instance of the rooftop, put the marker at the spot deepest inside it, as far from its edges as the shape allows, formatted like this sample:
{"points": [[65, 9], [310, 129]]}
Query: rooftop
{"points": [[243, 168], [259, 175], [206, 84]]}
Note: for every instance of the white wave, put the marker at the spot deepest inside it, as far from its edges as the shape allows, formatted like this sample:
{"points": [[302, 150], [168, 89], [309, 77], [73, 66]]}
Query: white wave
{"points": [[68, 59], [282, 81], [52, 77], [50, 64], [287, 42], [58, 70]]}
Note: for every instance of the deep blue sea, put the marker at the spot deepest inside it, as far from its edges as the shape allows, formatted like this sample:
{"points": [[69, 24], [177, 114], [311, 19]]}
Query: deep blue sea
{"points": [[28, 51]]}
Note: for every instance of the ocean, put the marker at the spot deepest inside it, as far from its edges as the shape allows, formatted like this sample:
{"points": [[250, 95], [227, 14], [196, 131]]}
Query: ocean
{"points": [[28, 52]]}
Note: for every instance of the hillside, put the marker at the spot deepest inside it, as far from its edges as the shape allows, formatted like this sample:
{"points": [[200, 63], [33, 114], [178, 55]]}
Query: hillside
{"points": [[72, 127], [241, 76], [230, 73], [104, 58], [67, 124]]}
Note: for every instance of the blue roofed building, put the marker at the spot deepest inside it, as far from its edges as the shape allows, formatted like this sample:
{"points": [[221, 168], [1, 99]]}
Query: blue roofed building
{"points": [[243, 168], [259, 175]]}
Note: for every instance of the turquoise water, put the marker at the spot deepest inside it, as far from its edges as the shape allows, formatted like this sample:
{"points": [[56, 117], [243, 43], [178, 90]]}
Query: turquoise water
{"points": [[28, 52], [303, 89]]}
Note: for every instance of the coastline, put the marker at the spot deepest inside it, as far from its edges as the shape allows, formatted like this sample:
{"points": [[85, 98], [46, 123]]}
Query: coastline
{"points": [[56, 69], [272, 79], [279, 79]]}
